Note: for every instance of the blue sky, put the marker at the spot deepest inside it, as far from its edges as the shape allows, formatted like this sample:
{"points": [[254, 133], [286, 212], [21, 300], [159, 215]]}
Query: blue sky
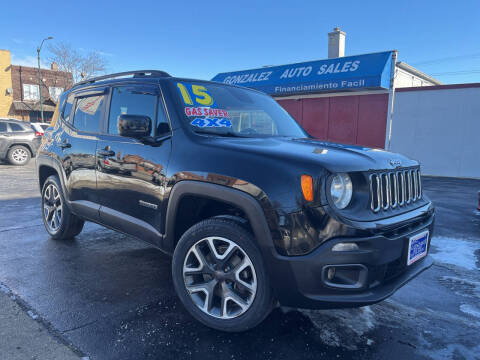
{"points": [[201, 38]]}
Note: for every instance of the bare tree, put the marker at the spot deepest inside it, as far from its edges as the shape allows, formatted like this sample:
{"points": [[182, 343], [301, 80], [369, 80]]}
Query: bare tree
{"points": [[93, 64], [71, 60]]}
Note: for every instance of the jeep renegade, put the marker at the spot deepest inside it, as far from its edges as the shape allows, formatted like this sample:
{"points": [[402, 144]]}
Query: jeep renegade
{"points": [[253, 210]]}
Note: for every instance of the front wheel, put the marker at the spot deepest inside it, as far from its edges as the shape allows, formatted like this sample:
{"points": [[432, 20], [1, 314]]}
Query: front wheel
{"points": [[220, 277]]}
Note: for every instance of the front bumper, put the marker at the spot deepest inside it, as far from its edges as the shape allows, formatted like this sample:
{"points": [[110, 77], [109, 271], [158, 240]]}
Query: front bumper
{"points": [[300, 281]]}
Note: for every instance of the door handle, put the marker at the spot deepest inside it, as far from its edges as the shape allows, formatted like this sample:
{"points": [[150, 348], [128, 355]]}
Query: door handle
{"points": [[106, 152], [65, 145]]}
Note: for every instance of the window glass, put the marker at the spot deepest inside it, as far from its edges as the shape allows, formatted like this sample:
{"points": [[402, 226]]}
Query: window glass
{"points": [[16, 127], [88, 113], [30, 92], [3, 127], [68, 108], [233, 111], [131, 101]]}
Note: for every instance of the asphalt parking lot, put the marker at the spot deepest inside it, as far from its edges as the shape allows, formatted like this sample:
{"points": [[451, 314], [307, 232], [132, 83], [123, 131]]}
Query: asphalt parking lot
{"points": [[110, 297]]}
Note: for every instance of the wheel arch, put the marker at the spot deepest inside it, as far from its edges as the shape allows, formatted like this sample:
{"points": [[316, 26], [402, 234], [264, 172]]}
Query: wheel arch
{"points": [[25, 145], [44, 172], [223, 194], [47, 166]]}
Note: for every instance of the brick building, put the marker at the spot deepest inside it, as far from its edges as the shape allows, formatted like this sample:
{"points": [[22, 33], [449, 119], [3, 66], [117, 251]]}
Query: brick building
{"points": [[19, 90]]}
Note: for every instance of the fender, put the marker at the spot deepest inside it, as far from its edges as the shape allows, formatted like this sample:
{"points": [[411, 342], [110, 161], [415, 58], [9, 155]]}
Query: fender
{"points": [[256, 217], [27, 145], [45, 160], [238, 198]]}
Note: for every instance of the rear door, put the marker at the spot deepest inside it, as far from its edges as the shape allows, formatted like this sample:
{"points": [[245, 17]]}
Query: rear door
{"points": [[130, 173], [5, 138], [82, 116]]}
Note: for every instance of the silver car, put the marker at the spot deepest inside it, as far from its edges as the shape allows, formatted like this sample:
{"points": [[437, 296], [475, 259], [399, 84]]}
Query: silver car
{"points": [[18, 141]]}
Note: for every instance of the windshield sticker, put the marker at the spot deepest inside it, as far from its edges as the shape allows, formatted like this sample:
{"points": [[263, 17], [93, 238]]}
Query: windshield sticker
{"points": [[195, 95], [205, 111], [207, 122]]}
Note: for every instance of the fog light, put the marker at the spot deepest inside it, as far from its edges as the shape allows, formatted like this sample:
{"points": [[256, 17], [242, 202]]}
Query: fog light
{"points": [[345, 247], [331, 273], [345, 276]]}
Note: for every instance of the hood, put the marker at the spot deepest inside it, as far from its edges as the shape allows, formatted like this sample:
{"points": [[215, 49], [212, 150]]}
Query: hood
{"points": [[332, 156]]}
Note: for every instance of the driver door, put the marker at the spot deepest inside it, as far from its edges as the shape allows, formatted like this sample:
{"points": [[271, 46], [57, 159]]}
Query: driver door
{"points": [[131, 174]]}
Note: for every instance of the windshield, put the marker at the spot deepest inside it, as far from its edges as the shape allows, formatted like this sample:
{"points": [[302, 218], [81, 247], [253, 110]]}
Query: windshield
{"points": [[230, 111]]}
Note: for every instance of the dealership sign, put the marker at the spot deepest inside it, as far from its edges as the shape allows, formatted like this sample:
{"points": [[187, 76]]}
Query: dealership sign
{"points": [[370, 71]]}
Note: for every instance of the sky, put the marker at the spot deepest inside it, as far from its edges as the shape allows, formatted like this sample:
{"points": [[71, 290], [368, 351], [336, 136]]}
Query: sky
{"points": [[199, 39]]}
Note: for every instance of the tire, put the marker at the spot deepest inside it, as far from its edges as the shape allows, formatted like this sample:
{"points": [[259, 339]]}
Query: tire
{"points": [[19, 155], [242, 296], [59, 222]]}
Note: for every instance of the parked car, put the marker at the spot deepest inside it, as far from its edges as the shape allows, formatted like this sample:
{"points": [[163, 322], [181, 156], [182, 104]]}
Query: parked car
{"points": [[253, 210], [18, 141], [40, 128]]}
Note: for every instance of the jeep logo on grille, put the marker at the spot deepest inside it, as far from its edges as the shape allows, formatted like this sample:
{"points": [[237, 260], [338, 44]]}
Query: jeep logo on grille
{"points": [[395, 163]]}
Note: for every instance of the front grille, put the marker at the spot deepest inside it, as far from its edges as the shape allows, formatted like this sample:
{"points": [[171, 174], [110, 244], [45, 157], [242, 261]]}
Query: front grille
{"points": [[392, 189]]}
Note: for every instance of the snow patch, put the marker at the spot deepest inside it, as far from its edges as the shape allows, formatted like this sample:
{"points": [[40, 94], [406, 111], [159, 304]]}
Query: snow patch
{"points": [[343, 327], [455, 251], [462, 286], [453, 351], [32, 315], [470, 310]]}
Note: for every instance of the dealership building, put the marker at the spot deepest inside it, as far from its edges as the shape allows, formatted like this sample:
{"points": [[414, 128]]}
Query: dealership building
{"points": [[376, 101]]}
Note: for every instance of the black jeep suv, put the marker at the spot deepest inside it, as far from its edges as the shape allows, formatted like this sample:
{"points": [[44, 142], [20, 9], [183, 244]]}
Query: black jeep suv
{"points": [[254, 211]]}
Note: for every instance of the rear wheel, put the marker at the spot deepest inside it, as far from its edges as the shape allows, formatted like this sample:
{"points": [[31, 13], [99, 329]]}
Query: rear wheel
{"points": [[59, 222], [18, 155], [219, 275]]}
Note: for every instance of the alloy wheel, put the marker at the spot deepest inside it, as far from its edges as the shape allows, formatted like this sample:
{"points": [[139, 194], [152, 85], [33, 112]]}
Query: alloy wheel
{"points": [[220, 277], [20, 155], [52, 208]]}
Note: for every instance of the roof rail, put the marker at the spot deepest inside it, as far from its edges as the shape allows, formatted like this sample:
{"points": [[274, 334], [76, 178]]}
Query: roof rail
{"points": [[135, 73]]}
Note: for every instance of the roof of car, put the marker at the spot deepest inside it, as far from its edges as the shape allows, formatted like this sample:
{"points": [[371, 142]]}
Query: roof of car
{"points": [[145, 75], [13, 120]]}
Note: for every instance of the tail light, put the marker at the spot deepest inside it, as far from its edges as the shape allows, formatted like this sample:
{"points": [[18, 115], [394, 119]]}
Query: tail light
{"points": [[38, 133]]}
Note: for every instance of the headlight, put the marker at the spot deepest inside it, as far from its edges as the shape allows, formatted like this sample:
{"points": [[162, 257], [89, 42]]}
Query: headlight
{"points": [[341, 190]]}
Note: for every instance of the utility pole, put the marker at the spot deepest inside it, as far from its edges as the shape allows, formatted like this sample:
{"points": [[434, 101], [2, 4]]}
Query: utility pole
{"points": [[40, 77]]}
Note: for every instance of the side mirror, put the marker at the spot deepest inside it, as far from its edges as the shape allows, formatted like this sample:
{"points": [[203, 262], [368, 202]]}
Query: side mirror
{"points": [[134, 126]]}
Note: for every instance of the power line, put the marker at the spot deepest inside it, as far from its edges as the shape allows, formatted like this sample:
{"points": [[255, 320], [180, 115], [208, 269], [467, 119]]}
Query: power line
{"points": [[450, 58], [464, 72]]}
